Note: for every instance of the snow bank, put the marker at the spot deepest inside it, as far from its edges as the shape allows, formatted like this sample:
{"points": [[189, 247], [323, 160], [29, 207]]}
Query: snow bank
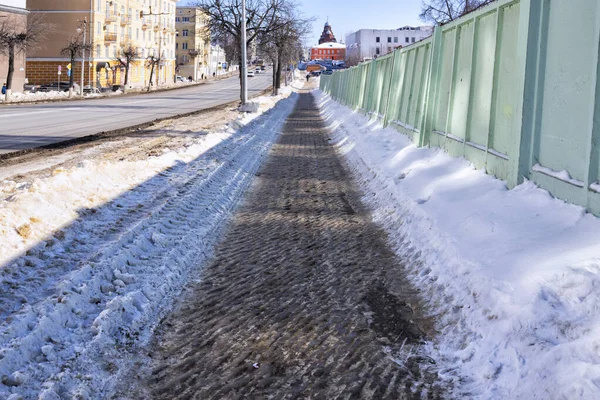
{"points": [[92, 257], [513, 275]]}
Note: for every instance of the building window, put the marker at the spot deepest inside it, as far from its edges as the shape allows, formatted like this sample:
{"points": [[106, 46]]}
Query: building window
{"points": [[377, 39], [98, 51], [377, 50], [99, 5], [137, 34], [106, 51], [185, 32], [389, 39], [99, 28], [177, 19], [395, 39], [406, 40], [176, 46], [412, 39], [186, 19], [184, 45]]}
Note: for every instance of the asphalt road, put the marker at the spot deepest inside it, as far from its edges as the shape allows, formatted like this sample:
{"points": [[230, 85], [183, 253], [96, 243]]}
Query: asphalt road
{"points": [[27, 126]]}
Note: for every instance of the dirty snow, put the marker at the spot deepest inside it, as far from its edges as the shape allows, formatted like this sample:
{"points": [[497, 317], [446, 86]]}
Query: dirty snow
{"points": [[512, 275], [92, 256]]}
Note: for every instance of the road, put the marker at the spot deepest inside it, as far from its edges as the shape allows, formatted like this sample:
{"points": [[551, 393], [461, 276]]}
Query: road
{"points": [[27, 126]]}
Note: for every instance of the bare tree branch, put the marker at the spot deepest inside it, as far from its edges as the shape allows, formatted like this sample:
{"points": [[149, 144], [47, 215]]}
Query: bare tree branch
{"points": [[441, 12]]}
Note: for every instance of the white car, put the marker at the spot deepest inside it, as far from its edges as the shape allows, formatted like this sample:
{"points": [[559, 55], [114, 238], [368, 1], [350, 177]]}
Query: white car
{"points": [[257, 71], [250, 73]]}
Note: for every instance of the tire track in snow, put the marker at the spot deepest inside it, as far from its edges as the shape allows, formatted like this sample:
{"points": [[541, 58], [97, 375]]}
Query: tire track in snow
{"points": [[96, 302]]}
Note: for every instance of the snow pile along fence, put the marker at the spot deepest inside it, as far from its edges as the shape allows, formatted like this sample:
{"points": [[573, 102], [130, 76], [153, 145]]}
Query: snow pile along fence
{"points": [[504, 87]]}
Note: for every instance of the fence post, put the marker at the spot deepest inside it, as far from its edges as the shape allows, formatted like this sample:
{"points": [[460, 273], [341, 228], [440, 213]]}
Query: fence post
{"points": [[433, 78], [530, 58], [387, 104]]}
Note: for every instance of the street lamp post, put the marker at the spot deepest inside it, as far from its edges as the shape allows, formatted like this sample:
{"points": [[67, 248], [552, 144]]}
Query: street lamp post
{"points": [[244, 66], [83, 52]]}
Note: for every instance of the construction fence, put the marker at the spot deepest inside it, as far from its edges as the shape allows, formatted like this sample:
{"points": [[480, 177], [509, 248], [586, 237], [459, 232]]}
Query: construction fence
{"points": [[512, 87]]}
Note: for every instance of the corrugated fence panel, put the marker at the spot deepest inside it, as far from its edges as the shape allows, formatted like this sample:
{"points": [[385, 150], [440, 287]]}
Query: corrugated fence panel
{"points": [[507, 86]]}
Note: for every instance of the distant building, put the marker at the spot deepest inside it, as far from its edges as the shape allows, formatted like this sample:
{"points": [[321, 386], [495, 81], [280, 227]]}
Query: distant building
{"points": [[327, 35], [111, 27], [328, 51], [371, 43], [328, 48], [13, 10], [192, 46]]}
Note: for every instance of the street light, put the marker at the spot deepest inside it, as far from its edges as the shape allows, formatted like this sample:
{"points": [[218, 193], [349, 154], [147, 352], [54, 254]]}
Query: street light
{"points": [[83, 51]]}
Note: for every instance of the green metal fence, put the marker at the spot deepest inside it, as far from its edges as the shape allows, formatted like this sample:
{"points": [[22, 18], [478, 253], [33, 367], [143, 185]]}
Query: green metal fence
{"points": [[510, 87]]}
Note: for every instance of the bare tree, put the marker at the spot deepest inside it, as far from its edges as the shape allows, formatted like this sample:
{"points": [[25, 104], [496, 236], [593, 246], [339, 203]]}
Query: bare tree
{"points": [[352, 57], [16, 37], [441, 12], [152, 62], [283, 44], [128, 53], [74, 48], [225, 20]]}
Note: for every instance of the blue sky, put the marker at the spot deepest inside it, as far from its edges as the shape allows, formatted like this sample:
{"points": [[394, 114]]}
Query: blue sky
{"points": [[346, 16]]}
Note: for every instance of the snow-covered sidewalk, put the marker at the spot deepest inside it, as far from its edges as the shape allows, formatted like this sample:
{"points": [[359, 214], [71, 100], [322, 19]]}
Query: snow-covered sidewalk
{"points": [[92, 256], [31, 97], [513, 275]]}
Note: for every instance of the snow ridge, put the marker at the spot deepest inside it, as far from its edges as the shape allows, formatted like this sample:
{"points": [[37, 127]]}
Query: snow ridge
{"points": [[511, 275], [112, 274]]}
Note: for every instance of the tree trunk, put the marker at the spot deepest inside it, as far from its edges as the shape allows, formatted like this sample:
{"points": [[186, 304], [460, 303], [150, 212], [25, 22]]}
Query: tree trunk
{"points": [[11, 71], [126, 76], [274, 83], [278, 76], [151, 73], [72, 76]]}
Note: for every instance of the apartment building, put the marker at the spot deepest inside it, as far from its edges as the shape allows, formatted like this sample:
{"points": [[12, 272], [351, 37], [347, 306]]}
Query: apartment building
{"points": [[192, 47], [13, 12], [370, 43], [110, 26]]}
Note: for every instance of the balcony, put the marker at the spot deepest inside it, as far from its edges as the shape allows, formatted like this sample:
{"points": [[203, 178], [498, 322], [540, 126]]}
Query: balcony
{"points": [[125, 21], [110, 38], [111, 17]]}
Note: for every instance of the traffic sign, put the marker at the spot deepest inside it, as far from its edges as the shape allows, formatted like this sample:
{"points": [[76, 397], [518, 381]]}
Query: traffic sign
{"points": [[59, 68], [69, 66]]}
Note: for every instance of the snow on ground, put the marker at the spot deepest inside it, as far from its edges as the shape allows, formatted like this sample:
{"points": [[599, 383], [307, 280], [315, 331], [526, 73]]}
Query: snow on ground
{"points": [[92, 256], [513, 275], [20, 97]]}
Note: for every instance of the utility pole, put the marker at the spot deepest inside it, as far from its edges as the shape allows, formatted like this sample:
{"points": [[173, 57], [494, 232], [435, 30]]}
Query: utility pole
{"points": [[244, 64]]}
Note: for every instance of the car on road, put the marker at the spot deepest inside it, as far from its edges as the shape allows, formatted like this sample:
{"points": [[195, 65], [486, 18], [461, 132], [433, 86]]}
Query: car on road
{"points": [[250, 73], [257, 70], [262, 68]]}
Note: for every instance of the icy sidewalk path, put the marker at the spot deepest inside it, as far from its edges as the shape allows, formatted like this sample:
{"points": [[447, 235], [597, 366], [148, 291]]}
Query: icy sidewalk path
{"points": [[76, 303], [514, 275]]}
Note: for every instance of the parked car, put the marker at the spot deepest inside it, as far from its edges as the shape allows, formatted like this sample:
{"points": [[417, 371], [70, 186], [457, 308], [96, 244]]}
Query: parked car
{"points": [[181, 79], [262, 68], [90, 89], [257, 70], [250, 73], [63, 87]]}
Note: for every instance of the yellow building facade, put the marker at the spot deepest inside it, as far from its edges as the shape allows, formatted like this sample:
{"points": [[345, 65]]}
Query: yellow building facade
{"points": [[147, 26], [192, 46]]}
